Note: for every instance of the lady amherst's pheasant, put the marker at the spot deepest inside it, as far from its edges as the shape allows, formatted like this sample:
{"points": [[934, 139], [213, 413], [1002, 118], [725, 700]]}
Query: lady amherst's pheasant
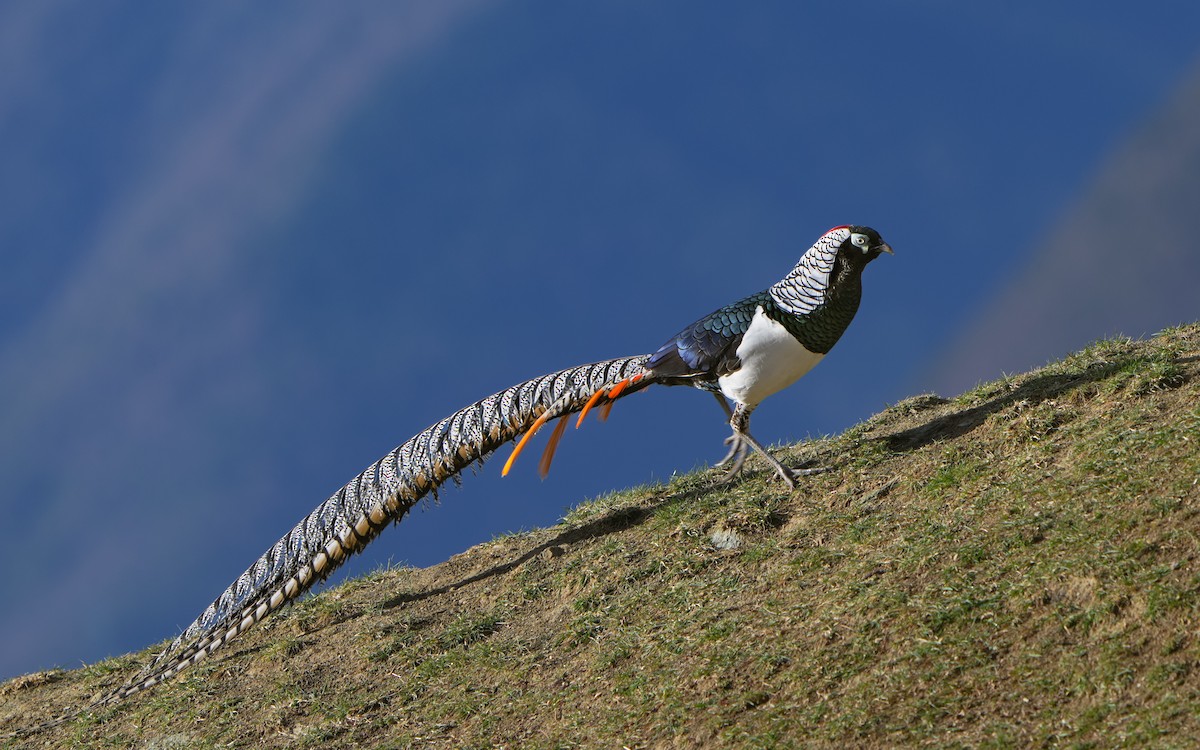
{"points": [[743, 353], [753, 348]]}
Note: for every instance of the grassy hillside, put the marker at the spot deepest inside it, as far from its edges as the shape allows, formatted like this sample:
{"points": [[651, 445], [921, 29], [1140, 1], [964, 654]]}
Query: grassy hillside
{"points": [[1014, 567]]}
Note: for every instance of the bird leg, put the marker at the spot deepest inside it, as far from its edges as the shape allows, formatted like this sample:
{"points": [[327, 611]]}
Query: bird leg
{"points": [[736, 454], [724, 405], [737, 446], [737, 450], [741, 440]]}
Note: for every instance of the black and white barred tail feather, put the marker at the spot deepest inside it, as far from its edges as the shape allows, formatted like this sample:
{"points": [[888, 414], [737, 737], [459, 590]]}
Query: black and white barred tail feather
{"points": [[381, 495]]}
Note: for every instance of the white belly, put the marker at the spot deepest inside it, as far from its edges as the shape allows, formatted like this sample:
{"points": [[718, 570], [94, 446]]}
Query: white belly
{"points": [[772, 359]]}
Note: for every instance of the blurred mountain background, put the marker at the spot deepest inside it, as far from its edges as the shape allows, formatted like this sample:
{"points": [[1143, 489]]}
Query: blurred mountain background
{"points": [[247, 249]]}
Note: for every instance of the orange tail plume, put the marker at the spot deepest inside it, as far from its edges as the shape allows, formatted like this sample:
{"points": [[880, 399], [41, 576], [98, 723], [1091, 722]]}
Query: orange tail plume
{"points": [[612, 393], [607, 393], [551, 446], [588, 407], [537, 425], [615, 392]]}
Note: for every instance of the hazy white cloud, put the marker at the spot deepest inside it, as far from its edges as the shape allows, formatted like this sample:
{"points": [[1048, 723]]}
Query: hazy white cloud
{"points": [[1067, 295], [223, 161], [240, 105], [23, 51]]}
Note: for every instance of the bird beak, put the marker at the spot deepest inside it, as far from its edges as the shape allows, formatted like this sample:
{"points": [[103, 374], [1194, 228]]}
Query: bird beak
{"points": [[885, 248]]}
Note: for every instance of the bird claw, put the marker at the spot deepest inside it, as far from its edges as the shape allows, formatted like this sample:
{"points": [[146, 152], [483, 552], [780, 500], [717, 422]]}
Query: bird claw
{"points": [[807, 469], [737, 454], [736, 459], [739, 447], [793, 474]]}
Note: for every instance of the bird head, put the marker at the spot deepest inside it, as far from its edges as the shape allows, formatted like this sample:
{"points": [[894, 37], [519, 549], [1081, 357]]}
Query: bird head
{"points": [[863, 245]]}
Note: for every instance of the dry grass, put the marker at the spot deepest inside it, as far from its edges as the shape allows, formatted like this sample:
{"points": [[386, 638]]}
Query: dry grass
{"points": [[1015, 567]]}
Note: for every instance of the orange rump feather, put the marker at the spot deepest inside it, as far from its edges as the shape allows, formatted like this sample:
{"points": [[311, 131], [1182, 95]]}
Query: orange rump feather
{"points": [[551, 446], [588, 407], [611, 393], [537, 425]]}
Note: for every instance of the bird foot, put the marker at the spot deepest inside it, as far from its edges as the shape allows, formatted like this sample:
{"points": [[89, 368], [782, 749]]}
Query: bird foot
{"points": [[739, 448], [737, 452], [793, 474], [787, 475]]}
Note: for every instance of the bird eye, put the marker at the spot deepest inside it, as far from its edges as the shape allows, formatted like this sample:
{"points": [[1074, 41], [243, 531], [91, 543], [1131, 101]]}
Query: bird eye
{"points": [[859, 239]]}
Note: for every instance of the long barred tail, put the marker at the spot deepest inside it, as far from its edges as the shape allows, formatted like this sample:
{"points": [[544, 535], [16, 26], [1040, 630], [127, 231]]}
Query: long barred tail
{"points": [[381, 495]]}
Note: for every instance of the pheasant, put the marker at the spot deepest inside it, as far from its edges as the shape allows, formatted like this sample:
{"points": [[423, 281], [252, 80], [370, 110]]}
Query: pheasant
{"points": [[753, 348], [743, 353]]}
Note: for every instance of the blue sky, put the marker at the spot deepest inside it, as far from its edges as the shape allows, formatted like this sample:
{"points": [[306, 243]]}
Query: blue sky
{"points": [[248, 250]]}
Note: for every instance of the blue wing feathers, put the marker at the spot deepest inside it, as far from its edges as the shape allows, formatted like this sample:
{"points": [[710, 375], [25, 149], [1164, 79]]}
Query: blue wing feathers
{"points": [[708, 347]]}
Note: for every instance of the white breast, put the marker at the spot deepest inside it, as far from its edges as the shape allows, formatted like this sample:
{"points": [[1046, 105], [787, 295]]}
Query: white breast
{"points": [[772, 359]]}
